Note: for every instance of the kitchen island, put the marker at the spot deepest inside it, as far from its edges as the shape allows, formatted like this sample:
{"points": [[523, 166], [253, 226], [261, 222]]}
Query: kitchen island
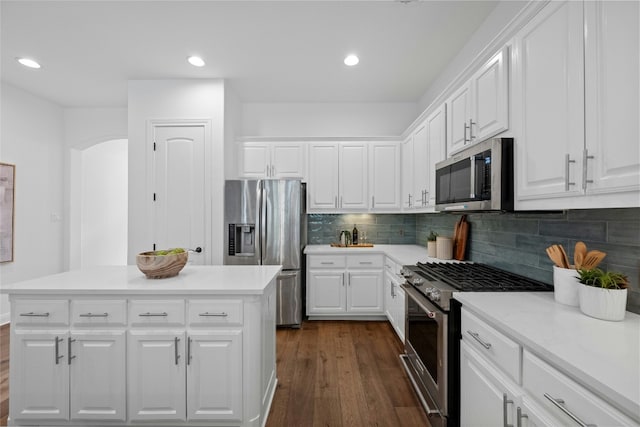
{"points": [[107, 346]]}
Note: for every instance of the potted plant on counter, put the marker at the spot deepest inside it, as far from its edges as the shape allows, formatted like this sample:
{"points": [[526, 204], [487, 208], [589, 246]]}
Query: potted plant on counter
{"points": [[431, 244], [603, 295]]}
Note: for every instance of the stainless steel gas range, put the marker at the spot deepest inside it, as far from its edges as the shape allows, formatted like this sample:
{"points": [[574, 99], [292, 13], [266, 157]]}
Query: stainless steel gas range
{"points": [[432, 336]]}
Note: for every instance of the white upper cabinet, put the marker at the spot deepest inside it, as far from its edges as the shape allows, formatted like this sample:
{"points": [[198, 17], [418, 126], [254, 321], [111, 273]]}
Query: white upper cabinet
{"points": [[479, 108], [384, 175], [420, 153], [576, 106], [277, 160], [322, 189], [612, 91], [353, 176]]}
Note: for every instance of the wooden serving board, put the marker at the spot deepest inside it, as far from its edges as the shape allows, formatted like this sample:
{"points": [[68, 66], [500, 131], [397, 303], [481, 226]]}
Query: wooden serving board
{"points": [[359, 245], [460, 235]]}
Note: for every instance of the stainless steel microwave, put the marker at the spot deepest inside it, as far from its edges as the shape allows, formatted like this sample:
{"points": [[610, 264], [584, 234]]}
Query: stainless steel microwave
{"points": [[479, 178]]}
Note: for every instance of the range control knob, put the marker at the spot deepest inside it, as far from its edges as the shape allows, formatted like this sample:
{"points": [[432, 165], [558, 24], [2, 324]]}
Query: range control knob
{"points": [[435, 295], [416, 281], [405, 272]]}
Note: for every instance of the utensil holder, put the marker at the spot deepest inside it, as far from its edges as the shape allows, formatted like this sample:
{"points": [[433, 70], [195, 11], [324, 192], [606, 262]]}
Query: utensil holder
{"points": [[565, 286], [432, 250], [444, 247]]}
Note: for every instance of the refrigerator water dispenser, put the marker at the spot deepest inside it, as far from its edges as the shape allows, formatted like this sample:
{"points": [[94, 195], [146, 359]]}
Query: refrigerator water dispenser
{"points": [[242, 239]]}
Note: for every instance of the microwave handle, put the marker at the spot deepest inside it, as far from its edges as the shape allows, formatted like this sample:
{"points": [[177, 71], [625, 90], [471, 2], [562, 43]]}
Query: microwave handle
{"points": [[473, 177]]}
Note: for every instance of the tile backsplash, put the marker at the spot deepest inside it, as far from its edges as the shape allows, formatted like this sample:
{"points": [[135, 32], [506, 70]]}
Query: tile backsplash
{"points": [[512, 241]]}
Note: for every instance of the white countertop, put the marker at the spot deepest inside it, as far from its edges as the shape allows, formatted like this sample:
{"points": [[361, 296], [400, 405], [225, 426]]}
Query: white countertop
{"points": [[602, 355], [402, 254], [123, 280]]}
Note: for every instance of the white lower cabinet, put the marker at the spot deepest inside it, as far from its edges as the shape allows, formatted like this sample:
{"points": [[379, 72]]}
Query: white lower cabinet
{"points": [[347, 285], [503, 383], [394, 298]]}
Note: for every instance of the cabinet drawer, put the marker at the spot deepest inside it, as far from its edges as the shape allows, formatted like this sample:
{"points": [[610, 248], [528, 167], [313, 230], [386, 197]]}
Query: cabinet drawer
{"points": [[540, 379], [215, 312], [156, 312], [327, 261], [365, 261], [28, 313], [492, 344], [98, 312]]}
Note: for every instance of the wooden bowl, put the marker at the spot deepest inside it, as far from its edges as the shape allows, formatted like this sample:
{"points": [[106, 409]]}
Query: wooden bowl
{"points": [[161, 266]]}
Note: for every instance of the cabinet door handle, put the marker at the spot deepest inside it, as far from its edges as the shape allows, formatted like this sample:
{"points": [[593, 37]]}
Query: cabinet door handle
{"points": [[32, 314], [341, 201], [189, 350], [343, 280], [147, 314], [273, 170], [207, 314], [69, 356], [472, 187], [585, 158], [409, 199], [348, 279], [567, 162], [176, 340], [105, 314], [477, 338], [505, 403], [559, 403], [465, 133], [520, 416], [471, 123], [57, 355], [335, 201], [373, 201], [393, 285]]}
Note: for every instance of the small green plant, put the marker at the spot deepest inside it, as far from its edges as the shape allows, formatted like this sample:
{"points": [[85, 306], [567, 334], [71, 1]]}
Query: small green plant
{"points": [[432, 237], [601, 279]]}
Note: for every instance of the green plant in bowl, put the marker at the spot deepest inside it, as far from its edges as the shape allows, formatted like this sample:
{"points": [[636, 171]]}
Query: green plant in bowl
{"points": [[432, 236], [599, 278]]}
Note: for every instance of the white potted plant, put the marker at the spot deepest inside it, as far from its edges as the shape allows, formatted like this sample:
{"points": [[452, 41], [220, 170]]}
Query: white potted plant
{"points": [[603, 295]]}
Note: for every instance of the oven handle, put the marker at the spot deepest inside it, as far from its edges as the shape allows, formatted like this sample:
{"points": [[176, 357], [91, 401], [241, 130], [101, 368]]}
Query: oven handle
{"points": [[431, 312]]}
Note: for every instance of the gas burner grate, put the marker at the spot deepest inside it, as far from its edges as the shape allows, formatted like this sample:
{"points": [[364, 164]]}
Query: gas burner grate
{"points": [[479, 278]]}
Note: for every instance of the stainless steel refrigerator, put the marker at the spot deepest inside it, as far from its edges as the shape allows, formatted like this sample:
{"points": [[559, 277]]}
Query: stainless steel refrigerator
{"points": [[265, 224]]}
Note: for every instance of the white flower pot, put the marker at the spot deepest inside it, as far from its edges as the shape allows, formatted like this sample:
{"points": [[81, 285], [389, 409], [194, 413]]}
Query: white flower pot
{"points": [[565, 286], [605, 304]]}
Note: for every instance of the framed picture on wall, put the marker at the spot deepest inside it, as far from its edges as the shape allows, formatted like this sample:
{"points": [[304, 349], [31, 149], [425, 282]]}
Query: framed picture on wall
{"points": [[7, 192]]}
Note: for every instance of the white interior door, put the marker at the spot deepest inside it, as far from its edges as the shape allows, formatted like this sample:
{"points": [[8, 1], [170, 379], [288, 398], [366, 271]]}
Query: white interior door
{"points": [[179, 188]]}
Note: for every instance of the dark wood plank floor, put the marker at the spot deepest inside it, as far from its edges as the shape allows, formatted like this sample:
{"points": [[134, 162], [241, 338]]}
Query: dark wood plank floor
{"points": [[342, 373], [330, 373]]}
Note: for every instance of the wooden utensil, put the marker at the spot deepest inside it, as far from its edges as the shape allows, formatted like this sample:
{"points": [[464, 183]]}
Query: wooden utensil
{"points": [[565, 258], [555, 256], [461, 233], [593, 259], [578, 254]]}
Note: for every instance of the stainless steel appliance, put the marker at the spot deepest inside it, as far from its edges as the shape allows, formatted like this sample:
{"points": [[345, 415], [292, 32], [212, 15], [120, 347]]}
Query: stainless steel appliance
{"points": [[432, 336], [266, 225], [478, 178]]}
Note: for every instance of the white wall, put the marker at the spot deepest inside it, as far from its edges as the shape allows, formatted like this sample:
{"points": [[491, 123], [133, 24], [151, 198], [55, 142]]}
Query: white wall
{"points": [[172, 100], [326, 119], [104, 201], [32, 138], [232, 130]]}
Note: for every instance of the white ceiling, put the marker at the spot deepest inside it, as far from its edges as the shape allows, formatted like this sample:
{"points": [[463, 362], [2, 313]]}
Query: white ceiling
{"points": [[270, 51]]}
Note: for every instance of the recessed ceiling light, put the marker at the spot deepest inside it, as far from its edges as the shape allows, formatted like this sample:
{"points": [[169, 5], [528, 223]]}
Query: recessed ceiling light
{"points": [[351, 60], [196, 61], [28, 62]]}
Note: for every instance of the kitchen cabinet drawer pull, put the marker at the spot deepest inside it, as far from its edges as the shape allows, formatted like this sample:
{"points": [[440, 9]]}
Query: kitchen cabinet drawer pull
{"points": [[471, 123], [57, 353], [326, 262], [147, 314], [559, 403], [105, 314], [69, 356], [505, 403], [520, 416], [365, 262], [477, 338], [32, 314], [567, 162], [207, 314], [176, 340]]}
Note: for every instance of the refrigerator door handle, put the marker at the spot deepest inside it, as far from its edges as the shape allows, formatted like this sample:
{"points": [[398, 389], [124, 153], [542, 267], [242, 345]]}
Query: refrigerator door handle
{"points": [[285, 275], [263, 222]]}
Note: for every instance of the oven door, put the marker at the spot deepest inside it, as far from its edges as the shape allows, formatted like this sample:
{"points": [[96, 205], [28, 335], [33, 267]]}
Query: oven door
{"points": [[426, 353]]}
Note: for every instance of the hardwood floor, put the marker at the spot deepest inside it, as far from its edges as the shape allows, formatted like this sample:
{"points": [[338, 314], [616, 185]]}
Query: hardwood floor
{"points": [[342, 373], [330, 373]]}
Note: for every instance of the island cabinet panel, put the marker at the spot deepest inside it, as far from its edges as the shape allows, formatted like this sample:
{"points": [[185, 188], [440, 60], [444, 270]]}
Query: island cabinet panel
{"points": [[214, 375], [156, 376]]}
